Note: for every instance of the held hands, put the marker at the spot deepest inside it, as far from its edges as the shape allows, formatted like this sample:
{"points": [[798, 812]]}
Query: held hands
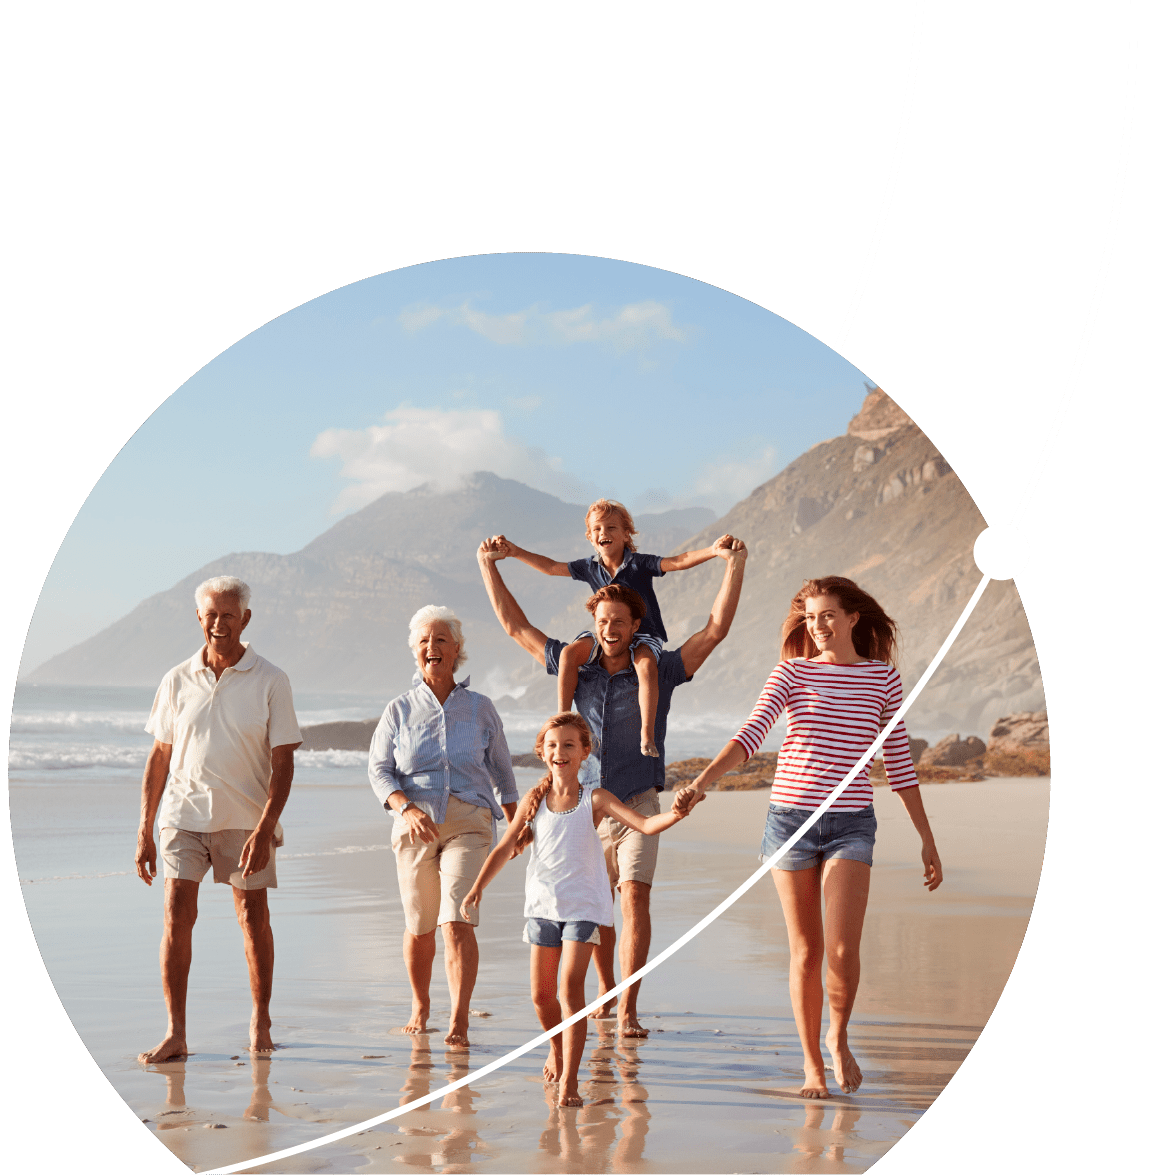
{"points": [[728, 548], [686, 798], [933, 871], [495, 548]]}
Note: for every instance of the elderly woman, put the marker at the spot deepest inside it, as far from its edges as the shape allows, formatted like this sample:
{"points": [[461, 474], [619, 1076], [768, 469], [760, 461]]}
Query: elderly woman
{"points": [[437, 757]]}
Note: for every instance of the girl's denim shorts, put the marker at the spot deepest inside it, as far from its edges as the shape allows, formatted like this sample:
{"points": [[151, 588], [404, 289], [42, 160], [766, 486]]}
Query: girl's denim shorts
{"points": [[544, 932], [846, 835]]}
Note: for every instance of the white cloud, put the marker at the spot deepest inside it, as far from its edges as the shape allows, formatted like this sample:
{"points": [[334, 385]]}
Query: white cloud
{"points": [[716, 484], [417, 446], [637, 324]]}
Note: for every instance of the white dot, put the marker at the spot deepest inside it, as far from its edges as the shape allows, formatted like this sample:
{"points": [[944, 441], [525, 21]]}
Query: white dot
{"points": [[1002, 551]]}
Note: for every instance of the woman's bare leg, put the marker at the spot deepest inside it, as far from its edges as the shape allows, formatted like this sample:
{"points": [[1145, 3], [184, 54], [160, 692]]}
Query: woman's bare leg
{"points": [[845, 885], [573, 657], [801, 903], [572, 995], [543, 985]]}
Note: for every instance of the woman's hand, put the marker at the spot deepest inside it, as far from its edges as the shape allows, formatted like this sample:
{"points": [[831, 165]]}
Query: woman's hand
{"points": [[471, 902], [933, 870], [686, 798], [421, 825]]}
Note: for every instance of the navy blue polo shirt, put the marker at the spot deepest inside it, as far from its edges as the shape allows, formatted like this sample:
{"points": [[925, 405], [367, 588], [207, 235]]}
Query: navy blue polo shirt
{"points": [[610, 704], [637, 572]]}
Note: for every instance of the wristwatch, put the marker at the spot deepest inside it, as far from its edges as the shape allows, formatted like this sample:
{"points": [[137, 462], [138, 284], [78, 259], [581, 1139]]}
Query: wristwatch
{"points": [[408, 804]]}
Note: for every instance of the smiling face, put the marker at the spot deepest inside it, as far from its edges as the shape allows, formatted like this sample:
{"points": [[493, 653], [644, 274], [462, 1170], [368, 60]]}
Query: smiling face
{"points": [[563, 751], [222, 620], [830, 628], [609, 536], [436, 651], [615, 627]]}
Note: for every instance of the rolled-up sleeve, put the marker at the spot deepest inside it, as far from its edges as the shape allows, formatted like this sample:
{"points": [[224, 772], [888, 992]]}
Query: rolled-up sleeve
{"points": [[498, 759], [381, 768]]}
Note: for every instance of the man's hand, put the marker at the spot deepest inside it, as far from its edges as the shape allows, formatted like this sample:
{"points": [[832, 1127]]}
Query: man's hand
{"points": [[733, 549], [686, 798], [421, 825], [495, 548], [144, 857], [258, 848]]}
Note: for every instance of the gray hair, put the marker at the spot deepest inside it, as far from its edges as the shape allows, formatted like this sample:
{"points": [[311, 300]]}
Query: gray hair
{"points": [[426, 615], [227, 585]]}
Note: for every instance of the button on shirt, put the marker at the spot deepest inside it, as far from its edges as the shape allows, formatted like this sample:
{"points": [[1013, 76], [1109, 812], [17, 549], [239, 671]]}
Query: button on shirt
{"points": [[636, 572], [428, 752], [610, 704], [221, 735]]}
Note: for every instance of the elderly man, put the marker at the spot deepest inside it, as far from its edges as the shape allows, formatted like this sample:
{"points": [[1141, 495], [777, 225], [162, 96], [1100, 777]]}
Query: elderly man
{"points": [[225, 730], [607, 696]]}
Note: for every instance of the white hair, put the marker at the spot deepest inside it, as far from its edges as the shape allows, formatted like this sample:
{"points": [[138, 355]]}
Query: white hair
{"points": [[426, 615], [227, 585]]}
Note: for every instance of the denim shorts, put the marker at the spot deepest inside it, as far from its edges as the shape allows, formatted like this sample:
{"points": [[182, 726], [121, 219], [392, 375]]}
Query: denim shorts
{"points": [[543, 932], [848, 836]]}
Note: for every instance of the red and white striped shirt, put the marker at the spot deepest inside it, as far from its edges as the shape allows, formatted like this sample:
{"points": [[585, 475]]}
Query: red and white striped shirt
{"points": [[833, 713]]}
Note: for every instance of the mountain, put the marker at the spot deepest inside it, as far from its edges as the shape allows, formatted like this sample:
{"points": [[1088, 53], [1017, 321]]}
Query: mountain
{"points": [[879, 504], [334, 615]]}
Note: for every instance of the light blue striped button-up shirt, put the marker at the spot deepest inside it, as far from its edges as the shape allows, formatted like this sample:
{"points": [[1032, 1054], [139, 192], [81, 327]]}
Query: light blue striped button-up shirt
{"points": [[428, 752]]}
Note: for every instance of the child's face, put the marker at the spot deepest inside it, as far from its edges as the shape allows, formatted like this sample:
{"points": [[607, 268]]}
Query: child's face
{"points": [[563, 750], [607, 534]]}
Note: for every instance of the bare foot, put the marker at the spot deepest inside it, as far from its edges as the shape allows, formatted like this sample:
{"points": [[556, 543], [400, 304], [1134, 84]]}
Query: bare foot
{"points": [[568, 1092], [170, 1048], [552, 1072], [259, 1037], [647, 747], [814, 1085], [632, 1027], [846, 1069], [457, 1031], [418, 1021], [606, 1012]]}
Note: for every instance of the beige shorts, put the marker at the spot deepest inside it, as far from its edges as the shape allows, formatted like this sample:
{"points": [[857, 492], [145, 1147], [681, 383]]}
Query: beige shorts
{"points": [[630, 856], [434, 879], [187, 856]]}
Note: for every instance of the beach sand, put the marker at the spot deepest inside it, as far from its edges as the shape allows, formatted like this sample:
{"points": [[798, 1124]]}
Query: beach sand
{"points": [[713, 1089]]}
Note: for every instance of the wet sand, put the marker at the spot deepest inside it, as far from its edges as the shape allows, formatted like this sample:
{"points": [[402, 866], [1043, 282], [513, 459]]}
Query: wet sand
{"points": [[713, 1089]]}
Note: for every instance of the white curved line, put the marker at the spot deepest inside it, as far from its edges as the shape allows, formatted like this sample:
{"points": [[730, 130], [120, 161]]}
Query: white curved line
{"points": [[666, 953], [901, 139], [427, 1099], [1104, 266]]}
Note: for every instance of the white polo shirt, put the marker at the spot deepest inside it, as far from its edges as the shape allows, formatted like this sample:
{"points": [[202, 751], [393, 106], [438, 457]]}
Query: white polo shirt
{"points": [[221, 735]]}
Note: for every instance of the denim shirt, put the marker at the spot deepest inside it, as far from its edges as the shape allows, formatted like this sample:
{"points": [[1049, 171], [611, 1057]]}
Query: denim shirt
{"points": [[637, 571], [428, 752], [610, 704]]}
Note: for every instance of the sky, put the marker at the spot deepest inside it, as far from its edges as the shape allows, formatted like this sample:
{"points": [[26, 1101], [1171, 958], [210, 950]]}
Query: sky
{"points": [[580, 376]]}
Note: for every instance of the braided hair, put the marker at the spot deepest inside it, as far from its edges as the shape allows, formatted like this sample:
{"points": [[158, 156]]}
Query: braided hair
{"points": [[535, 795]]}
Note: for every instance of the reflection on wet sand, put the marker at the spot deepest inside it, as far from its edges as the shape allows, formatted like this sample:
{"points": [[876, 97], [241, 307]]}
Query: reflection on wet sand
{"points": [[580, 1140], [456, 1148]]}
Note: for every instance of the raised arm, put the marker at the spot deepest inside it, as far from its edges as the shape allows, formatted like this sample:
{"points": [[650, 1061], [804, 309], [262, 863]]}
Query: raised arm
{"points": [[695, 558], [507, 610], [696, 648], [542, 563]]}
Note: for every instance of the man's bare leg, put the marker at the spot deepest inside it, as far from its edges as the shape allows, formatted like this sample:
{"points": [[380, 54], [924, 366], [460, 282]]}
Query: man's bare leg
{"points": [[180, 908], [603, 959], [543, 986], [572, 658], [634, 943], [801, 902], [252, 912], [461, 961], [846, 885], [418, 957], [647, 671]]}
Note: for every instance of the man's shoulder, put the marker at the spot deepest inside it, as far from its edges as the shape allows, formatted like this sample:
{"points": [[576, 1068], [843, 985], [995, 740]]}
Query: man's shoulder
{"points": [[185, 670]]}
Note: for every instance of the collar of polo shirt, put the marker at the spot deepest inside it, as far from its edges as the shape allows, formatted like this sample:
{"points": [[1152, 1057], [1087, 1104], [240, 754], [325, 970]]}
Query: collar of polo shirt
{"points": [[246, 662]]}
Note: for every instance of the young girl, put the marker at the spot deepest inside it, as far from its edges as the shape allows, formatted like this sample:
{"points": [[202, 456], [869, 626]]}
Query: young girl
{"points": [[611, 530], [567, 893]]}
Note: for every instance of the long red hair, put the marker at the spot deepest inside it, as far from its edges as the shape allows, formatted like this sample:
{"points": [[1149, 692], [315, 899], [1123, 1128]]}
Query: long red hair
{"points": [[874, 636], [533, 797]]}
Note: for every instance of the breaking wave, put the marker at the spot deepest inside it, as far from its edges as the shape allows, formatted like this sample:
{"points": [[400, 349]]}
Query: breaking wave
{"points": [[74, 758]]}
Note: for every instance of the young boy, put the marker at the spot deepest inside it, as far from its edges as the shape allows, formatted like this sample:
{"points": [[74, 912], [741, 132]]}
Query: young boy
{"points": [[610, 529]]}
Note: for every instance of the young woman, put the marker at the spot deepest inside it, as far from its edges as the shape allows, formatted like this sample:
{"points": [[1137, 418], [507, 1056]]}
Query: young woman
{"points": [[837, 687], [567, 892]]}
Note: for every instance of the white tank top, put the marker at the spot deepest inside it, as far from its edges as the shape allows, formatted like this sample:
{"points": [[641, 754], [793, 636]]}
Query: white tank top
{"points": [[566, 880]]}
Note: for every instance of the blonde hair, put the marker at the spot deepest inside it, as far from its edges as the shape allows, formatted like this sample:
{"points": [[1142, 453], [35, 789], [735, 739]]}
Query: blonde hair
{"points": [[534, 796], [605, 506]]}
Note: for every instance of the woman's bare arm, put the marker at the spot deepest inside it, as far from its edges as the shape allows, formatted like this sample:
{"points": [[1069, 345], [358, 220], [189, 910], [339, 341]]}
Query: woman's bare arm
{"points": [[914, 803], [733, 755]]}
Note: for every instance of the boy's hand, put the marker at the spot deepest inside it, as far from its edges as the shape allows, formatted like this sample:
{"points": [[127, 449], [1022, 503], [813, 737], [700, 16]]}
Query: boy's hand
{"points": [[497, 547], [733, 549], [722, 544]]}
